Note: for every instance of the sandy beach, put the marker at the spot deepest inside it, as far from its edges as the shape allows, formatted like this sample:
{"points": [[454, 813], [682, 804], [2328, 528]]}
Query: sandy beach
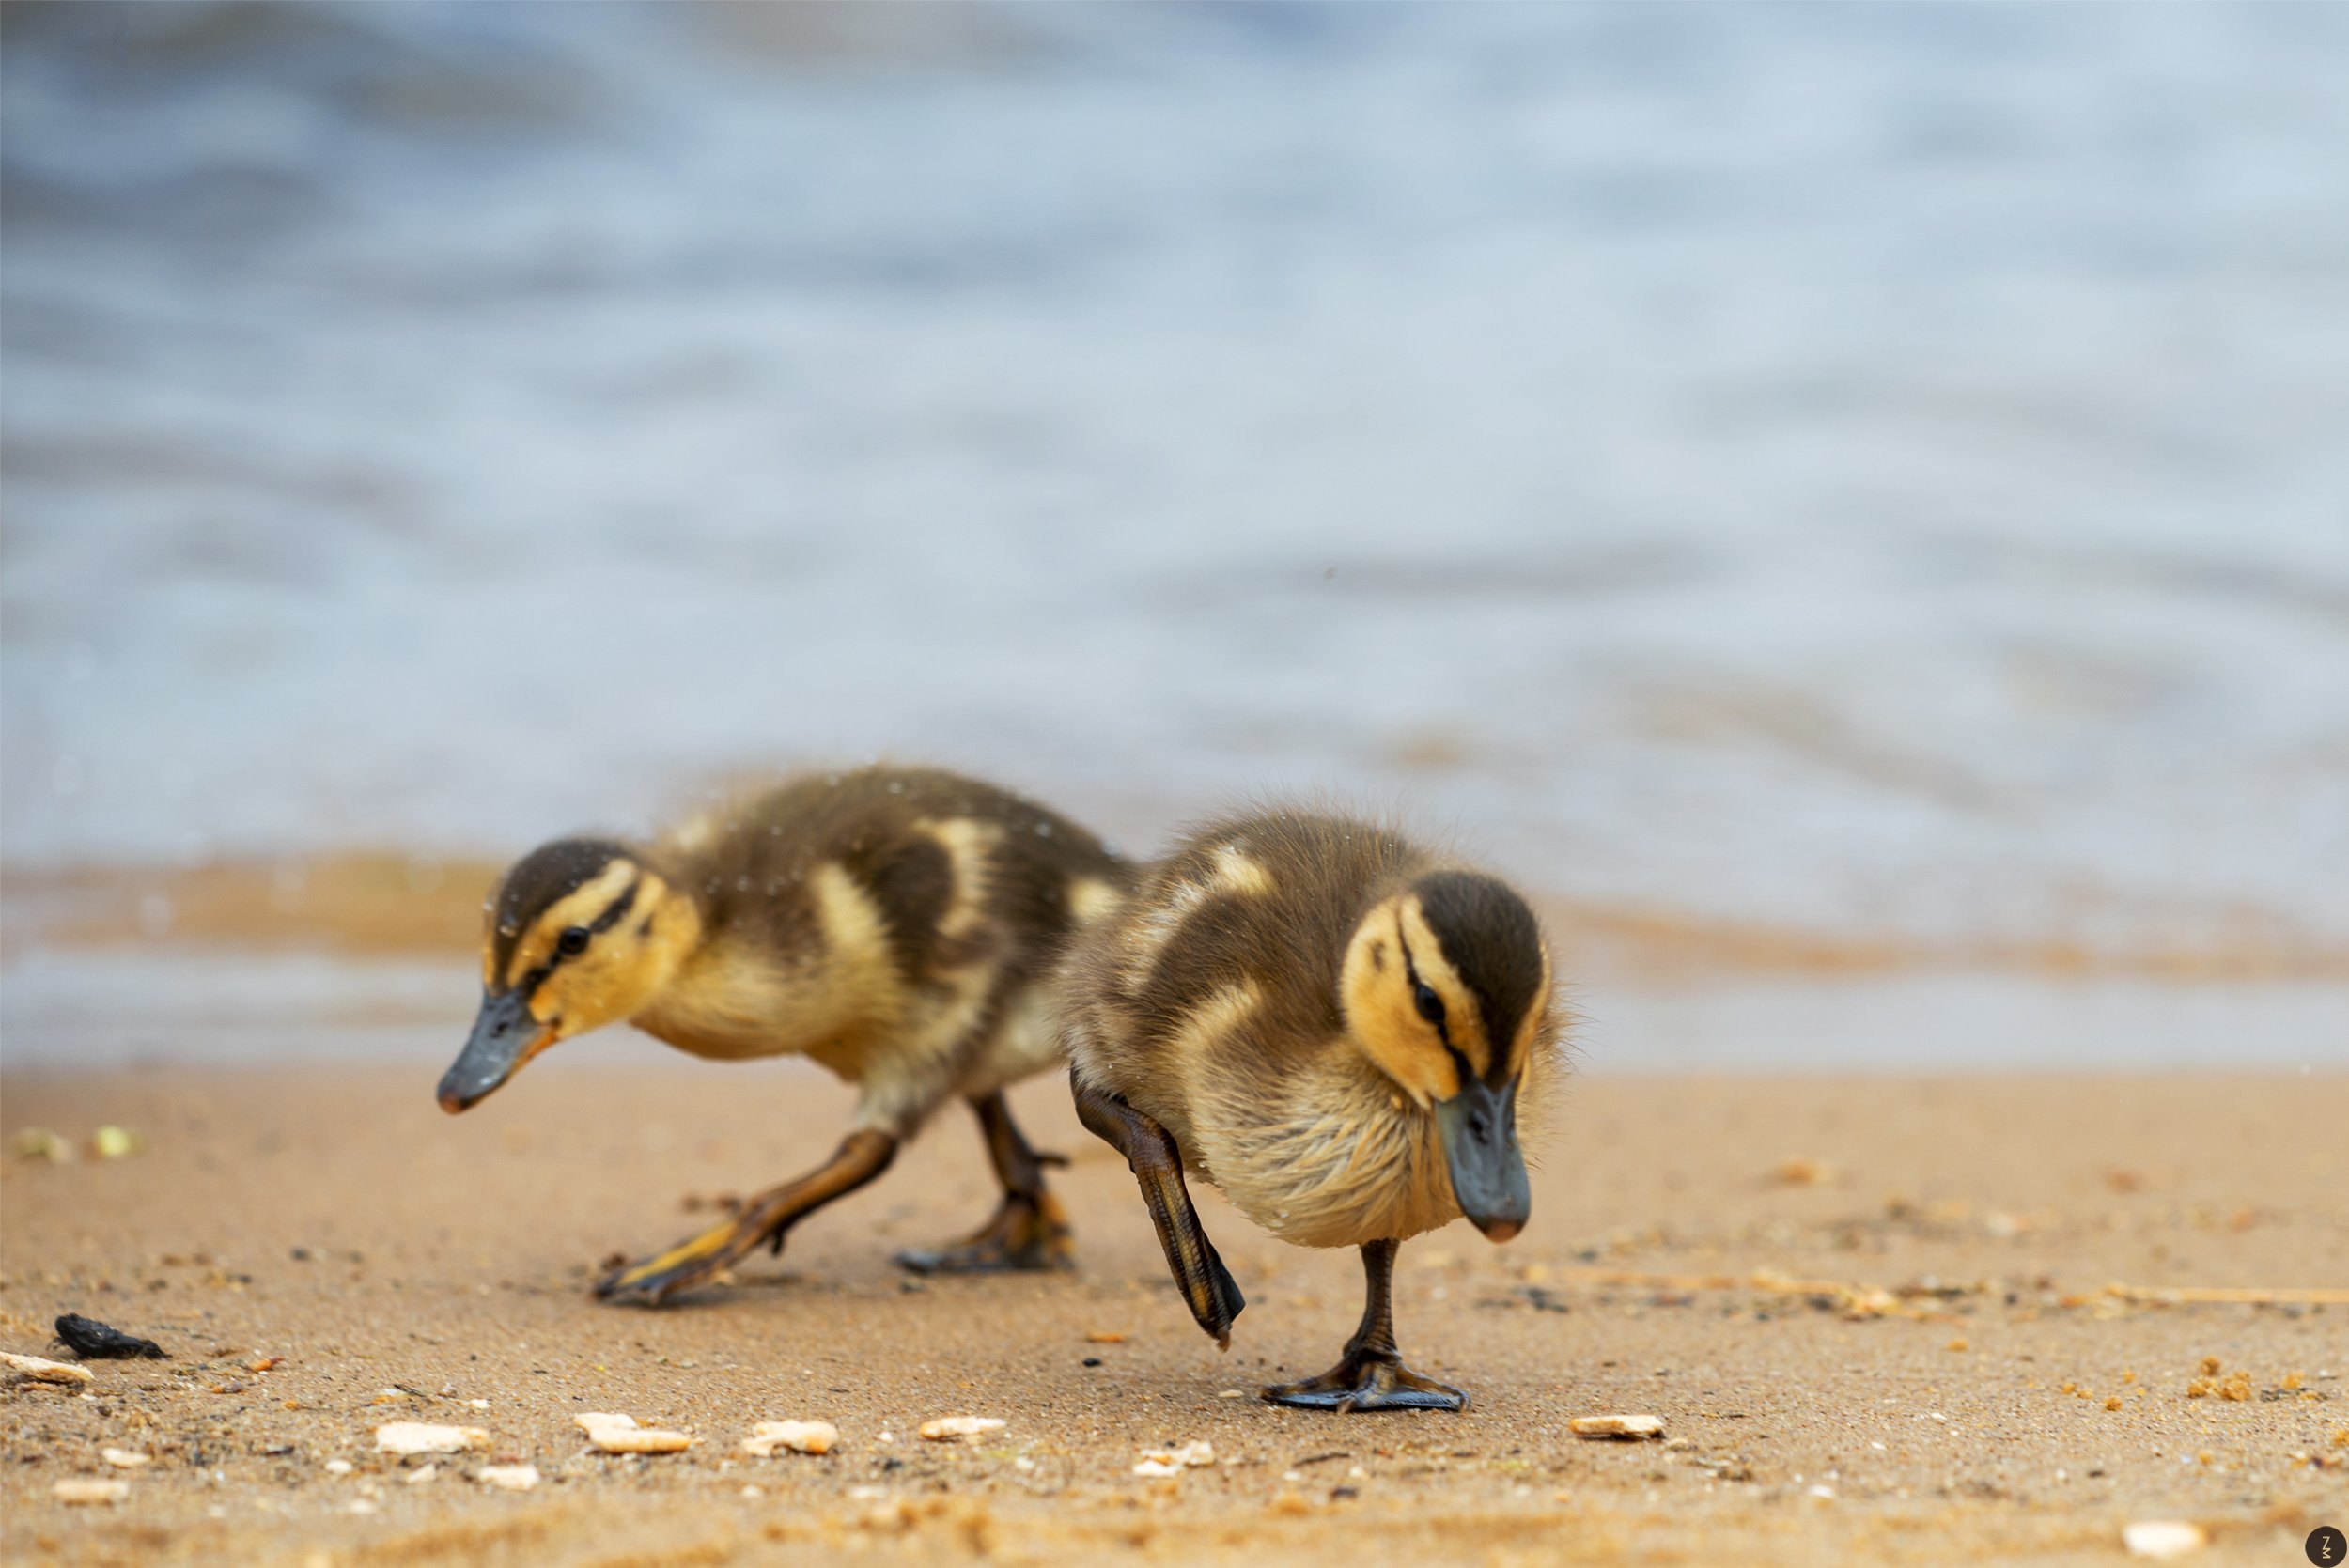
{"points": [[1875, 1315]]}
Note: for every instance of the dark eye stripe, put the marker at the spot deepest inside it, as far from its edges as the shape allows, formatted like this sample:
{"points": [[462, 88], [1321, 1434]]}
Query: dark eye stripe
{"points": [[1421, 992], [614, 913], [619, 909]]}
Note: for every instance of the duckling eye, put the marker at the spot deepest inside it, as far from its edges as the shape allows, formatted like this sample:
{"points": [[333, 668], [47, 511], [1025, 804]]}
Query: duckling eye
{"points": [[572, 943], [1430, 1004]]}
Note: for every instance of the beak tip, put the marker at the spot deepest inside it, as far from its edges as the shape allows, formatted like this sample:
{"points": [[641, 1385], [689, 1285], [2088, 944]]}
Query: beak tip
{"points": [[1497, 1231]]}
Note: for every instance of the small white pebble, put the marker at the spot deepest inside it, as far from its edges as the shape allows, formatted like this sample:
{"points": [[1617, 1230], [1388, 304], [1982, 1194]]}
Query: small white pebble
{"points": [[1357, 1473], [338, 1466], [361, 1505], [866, 1494], [1023, 1462], [417, 1478], [950, 1429], [513, 1478], [125, 1459], [1825, 1494], [89, 1489], [1231, 1393], [2164, 1538]]}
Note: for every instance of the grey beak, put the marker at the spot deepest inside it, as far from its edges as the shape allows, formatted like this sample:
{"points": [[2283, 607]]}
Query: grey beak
{"points": [[1479, 1128], [502, 1034]]}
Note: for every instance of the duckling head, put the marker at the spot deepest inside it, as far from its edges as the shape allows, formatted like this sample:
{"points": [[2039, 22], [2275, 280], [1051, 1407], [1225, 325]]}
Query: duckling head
{"points": [[581, 933], [1446, 988]]}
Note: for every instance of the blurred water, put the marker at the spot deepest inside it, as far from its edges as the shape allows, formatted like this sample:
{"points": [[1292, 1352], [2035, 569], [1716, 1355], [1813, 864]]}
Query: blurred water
{"points": [[79, 1011], [1870, 466]]}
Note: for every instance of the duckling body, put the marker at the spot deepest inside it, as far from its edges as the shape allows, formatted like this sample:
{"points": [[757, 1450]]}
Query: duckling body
{"points": [[1334, 1026], [894, 924]]}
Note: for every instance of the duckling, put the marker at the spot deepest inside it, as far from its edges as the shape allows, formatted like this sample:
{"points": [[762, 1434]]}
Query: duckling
{"points": [[893, 924], [1333, 1026]]}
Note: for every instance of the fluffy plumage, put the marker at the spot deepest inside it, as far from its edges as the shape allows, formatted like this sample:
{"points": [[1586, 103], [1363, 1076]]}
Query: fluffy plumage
{"points": [[1336, 1027], [1212, 1004], [892, 924]]}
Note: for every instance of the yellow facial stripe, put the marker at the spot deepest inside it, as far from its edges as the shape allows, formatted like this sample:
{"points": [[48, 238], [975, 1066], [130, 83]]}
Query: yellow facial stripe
{"points": [[1374, 993], [579, 908], [1463, 1017], [1537, 1018]]}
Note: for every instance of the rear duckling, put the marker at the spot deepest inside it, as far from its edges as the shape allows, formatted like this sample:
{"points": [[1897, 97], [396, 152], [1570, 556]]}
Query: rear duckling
{"points": [[1335, 1028], [893, 924]]}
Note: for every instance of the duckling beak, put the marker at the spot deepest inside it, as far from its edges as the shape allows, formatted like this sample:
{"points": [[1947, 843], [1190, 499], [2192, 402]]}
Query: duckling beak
{"points": [[1478, 1129], [505, 1036]]}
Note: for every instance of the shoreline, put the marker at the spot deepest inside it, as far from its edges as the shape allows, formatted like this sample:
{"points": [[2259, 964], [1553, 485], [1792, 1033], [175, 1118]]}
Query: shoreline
{"points": [[391, 903]]}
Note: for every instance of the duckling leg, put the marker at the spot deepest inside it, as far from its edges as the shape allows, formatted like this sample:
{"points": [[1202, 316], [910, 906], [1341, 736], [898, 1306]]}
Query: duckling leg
{"points": [[1371, 1375], [861, 1155], [1157, 1163], [1029, 1230]]}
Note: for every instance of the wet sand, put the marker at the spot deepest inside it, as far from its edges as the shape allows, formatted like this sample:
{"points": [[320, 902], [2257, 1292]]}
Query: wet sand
{"points": [[1872, 1314]]}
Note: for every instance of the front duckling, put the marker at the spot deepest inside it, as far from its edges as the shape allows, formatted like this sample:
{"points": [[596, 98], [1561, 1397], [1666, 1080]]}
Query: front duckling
{"points": [[1332, 1025], [893, 924]]}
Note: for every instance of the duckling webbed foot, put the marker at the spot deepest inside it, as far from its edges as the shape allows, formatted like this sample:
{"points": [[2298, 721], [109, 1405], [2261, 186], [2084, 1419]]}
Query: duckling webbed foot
{"points": [[1028, 1233], [1368, 1382], [1371, 1375], [766, 1217], [1157, 1162]]}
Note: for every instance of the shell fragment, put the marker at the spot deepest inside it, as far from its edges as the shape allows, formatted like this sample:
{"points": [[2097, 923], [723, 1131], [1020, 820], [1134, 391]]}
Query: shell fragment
{"points": [[950, 1429], [426, 1437], [89, 1489], [1617, 1426], [513, 1478], [1165, 1461], [125, 1459], [799, 1436], [618, 1434], [44, 1370]]}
